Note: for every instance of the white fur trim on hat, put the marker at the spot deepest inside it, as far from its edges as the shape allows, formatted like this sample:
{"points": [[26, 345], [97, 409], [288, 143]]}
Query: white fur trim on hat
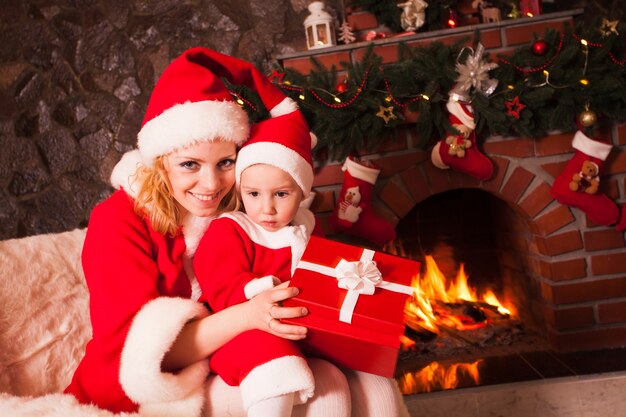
{"points": [[279, 156], [184, 124], [591, 147], [287, 374], [124, 174], [151, 335], [359, 171], [284, 107]]}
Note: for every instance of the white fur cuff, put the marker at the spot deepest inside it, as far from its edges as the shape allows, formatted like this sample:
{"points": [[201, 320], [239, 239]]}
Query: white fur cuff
{"points": [[151, 335], [361, 172], [277, 377], [591, 147], [258, 285]]}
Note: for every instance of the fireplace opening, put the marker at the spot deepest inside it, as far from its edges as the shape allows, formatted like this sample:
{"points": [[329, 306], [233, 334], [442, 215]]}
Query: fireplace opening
{"points": [[477, 244]]}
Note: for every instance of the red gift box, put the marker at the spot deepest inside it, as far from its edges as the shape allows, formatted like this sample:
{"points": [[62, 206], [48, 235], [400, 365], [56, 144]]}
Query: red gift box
{"points": [[371, 340]]}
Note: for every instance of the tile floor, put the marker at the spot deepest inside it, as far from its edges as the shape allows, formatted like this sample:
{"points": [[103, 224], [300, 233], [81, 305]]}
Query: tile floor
{"points": [[537, 384]]}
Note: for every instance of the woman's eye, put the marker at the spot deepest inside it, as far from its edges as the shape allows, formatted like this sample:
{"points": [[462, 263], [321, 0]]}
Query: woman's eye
{"points": [[188, 164], [227, 163]]}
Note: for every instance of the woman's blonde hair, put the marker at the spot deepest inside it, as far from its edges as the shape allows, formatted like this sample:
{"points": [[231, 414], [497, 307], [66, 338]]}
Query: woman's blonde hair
{"points": [[155, 199]]}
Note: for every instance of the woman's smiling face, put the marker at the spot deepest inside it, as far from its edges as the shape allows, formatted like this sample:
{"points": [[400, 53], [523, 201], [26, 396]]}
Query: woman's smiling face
{"points": [[201, 175]]}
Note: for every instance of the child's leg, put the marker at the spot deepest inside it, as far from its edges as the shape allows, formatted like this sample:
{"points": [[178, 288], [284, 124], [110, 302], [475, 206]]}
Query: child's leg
{"points": [[280, 406], [375, 396]]}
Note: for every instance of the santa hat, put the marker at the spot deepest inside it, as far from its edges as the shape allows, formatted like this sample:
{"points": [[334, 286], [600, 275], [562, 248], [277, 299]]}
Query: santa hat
{"points": [[284, 142], [190, 103]]}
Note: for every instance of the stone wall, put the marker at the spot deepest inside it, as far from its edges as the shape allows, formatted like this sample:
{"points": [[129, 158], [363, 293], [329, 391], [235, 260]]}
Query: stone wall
{"points": [[75, 78]]}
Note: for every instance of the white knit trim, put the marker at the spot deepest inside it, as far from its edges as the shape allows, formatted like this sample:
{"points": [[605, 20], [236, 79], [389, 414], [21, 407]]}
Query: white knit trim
{"points": [[284, 107], [277, 377], [257, 285], [591, 147], [279, 156], [362, 172], [124, 173], [456, 108], [190, 122], [151, 335], [194, 228], [272, 240]]}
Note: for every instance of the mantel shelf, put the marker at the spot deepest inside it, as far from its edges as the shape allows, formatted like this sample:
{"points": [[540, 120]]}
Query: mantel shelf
{"points": [[425, 36]]}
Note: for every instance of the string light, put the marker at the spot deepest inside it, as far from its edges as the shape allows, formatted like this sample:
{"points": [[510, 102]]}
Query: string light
{"points": [[241, 101]]}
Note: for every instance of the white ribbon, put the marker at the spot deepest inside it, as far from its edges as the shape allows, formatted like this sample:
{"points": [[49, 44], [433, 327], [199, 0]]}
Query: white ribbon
{"points": [[358, 277]]}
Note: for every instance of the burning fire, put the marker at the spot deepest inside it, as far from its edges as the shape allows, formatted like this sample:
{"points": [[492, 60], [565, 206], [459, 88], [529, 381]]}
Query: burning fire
{"points": [[437, 375], [433, 290]]}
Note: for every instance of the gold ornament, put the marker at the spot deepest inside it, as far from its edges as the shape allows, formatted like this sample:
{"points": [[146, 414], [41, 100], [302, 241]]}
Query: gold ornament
{"points": [[588, 118], [386, 113], [608, 26]]}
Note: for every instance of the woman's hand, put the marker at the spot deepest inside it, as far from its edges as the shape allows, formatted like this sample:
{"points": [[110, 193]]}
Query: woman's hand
{"points": [[264, 312]]}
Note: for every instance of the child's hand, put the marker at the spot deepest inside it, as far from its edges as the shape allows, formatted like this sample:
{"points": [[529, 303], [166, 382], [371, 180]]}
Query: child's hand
{"points": [[264, 312]]}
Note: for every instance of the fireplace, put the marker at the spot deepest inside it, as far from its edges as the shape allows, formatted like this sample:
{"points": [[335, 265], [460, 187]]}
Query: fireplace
{"points": [[565, 275]]}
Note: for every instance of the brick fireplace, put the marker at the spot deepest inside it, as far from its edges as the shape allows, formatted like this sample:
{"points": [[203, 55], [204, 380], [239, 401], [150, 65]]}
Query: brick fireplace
{"points": [[573, 273]]}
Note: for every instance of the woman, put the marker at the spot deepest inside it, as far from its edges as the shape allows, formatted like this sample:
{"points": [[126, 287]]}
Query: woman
{"points": [[150, 336]]}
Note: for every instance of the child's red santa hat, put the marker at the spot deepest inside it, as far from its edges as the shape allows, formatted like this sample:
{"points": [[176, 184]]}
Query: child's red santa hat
{"points": [[284, 142], [190, 103]]}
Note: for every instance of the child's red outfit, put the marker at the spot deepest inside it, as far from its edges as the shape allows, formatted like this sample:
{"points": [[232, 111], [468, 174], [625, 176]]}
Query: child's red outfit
{"points": [[239, 260]]}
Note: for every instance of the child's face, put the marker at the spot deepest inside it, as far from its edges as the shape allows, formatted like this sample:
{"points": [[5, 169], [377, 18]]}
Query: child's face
{"points": [[270, 196]]}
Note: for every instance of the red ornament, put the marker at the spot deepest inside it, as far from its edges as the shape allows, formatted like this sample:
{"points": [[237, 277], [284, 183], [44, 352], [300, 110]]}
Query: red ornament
{"points": [[514, 107], [276, 75], [342, 87], [540, 47]]}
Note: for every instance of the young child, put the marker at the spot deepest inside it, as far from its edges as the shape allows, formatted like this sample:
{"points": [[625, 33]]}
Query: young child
{"points": [[251, 252]]}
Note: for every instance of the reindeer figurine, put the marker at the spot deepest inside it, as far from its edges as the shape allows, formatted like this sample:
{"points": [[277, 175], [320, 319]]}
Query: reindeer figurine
{"points": [[488, 13]]}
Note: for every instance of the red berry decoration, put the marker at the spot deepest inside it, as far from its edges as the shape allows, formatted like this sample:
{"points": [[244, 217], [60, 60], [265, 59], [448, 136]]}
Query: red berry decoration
{"points": [[341, 87], [540, 47]]}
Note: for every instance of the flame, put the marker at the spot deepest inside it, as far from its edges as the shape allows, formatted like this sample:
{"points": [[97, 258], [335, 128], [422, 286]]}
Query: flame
{"points": [[490, 298], [432, 288], [437, 375]]}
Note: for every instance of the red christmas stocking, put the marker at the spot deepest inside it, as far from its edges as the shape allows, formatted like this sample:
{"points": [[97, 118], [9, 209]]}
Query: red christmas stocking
{"points": [[459, 151], [577, 185], [353, 214]]}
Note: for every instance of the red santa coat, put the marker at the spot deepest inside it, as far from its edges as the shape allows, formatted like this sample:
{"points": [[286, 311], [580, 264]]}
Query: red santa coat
{"points": [[236, 260], [139, 301]]}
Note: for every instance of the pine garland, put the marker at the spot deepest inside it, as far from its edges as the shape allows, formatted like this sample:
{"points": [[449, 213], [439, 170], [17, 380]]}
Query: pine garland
{"points": [[553, 89]]}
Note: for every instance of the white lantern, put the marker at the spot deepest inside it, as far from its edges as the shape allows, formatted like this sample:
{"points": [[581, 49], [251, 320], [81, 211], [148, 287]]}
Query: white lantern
{"points": [[318, 26]]}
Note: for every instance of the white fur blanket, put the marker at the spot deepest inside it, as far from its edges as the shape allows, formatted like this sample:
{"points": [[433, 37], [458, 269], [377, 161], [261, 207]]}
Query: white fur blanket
{"points": [[44, 325]]}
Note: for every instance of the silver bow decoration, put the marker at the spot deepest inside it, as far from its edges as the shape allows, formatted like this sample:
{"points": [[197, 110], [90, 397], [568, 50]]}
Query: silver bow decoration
{"points": [[474, 73], [361, 276]]}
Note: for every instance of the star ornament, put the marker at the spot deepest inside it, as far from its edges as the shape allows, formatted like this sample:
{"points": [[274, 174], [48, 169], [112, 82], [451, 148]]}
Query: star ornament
{"points": [[608, 26], [386, 113], [514, 107], [276, 75]]}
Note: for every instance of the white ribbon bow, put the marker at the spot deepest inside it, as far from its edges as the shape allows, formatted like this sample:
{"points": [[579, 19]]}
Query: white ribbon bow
{"points": [[359, 276]]}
